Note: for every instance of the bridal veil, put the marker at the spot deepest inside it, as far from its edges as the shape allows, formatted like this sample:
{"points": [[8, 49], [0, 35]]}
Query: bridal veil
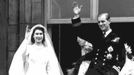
{"points": [[17, 64]]}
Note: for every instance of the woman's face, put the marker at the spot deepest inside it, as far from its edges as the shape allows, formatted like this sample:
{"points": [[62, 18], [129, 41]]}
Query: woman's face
{"points": [[38, 36]]}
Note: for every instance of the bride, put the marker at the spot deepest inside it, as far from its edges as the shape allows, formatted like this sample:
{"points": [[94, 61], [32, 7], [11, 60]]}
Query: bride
{"points": [[36, 55], [128, 68]]}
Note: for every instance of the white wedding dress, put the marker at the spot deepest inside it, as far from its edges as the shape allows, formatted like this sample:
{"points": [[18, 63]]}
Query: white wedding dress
{"points": [[38, 61], [128, 68], [31, 59]]}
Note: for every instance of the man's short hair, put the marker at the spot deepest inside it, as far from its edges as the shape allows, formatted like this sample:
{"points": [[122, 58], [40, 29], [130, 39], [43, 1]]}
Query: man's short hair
{"points": [[107, 15]]}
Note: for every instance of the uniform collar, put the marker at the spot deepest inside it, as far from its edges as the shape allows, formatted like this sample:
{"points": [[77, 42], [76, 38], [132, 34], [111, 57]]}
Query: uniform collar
{"points": [[108, 32]]}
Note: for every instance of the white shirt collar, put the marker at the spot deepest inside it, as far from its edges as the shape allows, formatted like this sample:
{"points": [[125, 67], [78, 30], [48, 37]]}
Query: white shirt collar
{"points": [[108, 32]]}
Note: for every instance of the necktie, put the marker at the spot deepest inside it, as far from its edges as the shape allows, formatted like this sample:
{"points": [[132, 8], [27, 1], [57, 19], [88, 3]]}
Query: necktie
{"points": [[104, 33]]}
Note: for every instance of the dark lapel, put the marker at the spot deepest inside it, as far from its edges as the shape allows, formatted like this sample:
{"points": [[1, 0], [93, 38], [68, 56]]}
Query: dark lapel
{"points": [[109, 37]]}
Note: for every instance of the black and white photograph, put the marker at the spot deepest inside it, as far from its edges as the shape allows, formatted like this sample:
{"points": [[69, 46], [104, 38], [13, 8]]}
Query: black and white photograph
{"points": [[66, 37]]}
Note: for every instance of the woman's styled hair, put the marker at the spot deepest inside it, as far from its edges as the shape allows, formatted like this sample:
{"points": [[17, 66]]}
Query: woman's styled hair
{"points": [[38, 28]]}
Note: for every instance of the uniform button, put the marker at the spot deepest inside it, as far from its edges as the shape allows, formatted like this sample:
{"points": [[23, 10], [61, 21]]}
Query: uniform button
{"points": [[104, 55], [95, 58], [95, 62], [105, 51], [103, 64], [96, 53], [104, 59]]}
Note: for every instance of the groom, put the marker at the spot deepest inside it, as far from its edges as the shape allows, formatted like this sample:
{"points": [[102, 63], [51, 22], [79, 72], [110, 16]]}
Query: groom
{"points": [[109, 56]]}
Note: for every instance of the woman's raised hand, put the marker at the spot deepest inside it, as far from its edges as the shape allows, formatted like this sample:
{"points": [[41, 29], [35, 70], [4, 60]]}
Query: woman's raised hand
{"points": [[27, 32]]}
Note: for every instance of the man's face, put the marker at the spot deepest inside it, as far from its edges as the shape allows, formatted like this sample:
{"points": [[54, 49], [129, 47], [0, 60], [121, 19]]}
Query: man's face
{"points": [[103, 23]]}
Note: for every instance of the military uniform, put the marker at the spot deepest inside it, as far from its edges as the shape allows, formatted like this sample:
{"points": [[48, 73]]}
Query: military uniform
{"points": [[109, 52]]}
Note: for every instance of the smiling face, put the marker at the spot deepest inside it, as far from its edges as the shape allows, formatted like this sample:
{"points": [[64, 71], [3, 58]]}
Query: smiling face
{"points": [[38, 36], [103, 22]]}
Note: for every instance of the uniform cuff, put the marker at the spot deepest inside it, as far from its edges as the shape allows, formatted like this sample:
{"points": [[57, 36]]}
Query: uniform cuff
{"points": [[77, 20]]}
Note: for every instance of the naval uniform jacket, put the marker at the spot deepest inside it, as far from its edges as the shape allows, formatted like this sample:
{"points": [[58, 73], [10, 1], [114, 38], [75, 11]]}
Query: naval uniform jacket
{"points": [[110, 52]]}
